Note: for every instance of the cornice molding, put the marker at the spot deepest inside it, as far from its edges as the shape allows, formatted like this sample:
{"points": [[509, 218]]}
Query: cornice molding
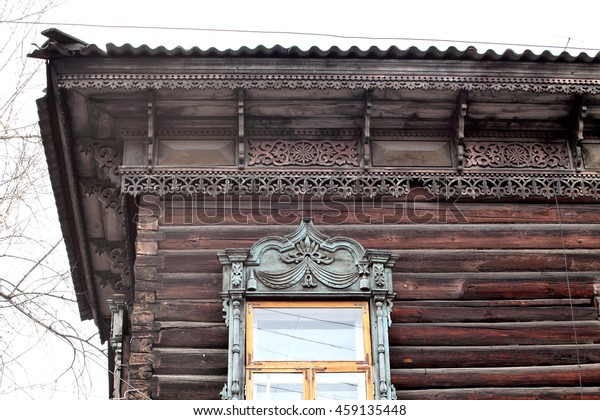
{"points": [[370, 184], [327, 81]]}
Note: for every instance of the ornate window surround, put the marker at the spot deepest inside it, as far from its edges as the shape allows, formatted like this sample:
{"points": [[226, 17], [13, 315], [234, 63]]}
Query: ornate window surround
{"points": [[309, 266]]}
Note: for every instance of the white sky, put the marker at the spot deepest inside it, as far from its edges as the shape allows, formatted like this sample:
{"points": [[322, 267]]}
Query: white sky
{"points": [[549, 23]]}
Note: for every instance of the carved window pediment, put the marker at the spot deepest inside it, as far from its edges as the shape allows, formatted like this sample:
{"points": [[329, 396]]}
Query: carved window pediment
{"points": [[308, 266]]}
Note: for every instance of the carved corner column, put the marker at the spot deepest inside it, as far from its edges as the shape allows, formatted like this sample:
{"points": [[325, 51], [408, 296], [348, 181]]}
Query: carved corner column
{"points": [[144, 331], [117, 307], [382, 300], [234, 290]]}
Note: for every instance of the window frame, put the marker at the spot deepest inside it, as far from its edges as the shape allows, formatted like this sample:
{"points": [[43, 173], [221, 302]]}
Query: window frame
{"points": [[308, 266], [310, 368]]}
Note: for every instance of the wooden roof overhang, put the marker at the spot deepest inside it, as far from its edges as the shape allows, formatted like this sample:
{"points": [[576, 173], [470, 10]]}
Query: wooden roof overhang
{"points": [[127, 121]]}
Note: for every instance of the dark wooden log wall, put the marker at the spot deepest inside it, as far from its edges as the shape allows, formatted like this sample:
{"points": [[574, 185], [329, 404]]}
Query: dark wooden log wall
{"points": [[494, 300]]}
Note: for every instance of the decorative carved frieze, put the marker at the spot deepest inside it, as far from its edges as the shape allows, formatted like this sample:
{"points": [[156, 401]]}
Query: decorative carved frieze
{"points": [[369, 184], [303, 153], [178, 133], [276, 133], [517, 155], [223, 80]]}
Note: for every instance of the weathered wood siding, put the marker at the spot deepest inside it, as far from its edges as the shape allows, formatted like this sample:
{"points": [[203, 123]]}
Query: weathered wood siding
{"points": [[494, 300]]}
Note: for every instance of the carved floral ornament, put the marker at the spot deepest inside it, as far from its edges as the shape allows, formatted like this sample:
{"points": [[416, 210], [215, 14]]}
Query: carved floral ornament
{"points": [[517, 155], [303, 153], [307, 260]]}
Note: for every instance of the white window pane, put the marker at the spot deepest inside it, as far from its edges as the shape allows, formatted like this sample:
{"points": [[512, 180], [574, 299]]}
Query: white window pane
{"points": [[341, 386], [308, 334], [278, 386]]}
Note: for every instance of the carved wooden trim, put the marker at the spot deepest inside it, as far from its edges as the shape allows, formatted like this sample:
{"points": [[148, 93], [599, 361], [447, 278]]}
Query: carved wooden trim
{"points": [[302, 153], [117, 255], [106, 154], [369, 184], [108, 194], [460, 114], [308, 265], [326, 81], [117, 308], [517, 155], [116, 282]]}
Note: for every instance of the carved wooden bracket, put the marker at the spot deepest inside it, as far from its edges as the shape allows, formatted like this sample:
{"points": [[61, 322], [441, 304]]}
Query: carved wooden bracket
{"points": [[106, 154], [114, 281], [115, 252], [108, 194], [151, 132], [366, 137], [241, 140], [459, 129], [580, 112]]}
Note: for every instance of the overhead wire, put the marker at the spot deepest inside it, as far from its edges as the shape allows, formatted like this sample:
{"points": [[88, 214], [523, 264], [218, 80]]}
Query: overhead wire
{"points": [[298, 33], [568, 281]]}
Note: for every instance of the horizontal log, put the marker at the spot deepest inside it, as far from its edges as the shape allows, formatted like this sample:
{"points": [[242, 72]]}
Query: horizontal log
{"points": [[192, 261], [546, 393], [417, 208], [303, 108], [585, 375], [579, 302], [190, 310], [511, 111], [187, 387], [191, 285], [192, 334], [456, 313], [174, 361], [494, 334], [492, 356], [432, 236], [477, 286], [425, 261], [475, 260]]}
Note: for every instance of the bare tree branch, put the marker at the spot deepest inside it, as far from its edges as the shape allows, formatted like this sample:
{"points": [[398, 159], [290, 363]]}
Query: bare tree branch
{"points": [[43, 346]]}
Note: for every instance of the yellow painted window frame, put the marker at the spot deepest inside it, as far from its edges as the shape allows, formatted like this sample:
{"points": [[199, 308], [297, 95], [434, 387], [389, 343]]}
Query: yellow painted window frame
{"points": [[309, 368]]}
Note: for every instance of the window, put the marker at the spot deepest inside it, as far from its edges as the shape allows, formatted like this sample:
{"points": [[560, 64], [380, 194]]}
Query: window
{"points": [[308, 318], [308, 350]]}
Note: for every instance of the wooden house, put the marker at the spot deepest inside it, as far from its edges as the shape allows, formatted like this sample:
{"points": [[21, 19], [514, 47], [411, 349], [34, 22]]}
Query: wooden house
{"points": [[286, 223]]}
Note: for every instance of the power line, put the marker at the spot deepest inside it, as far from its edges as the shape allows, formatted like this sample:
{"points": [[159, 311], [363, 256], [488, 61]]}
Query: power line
{"points": [[293, 33]]}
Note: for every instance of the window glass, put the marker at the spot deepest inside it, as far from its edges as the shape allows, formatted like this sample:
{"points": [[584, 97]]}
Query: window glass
{"points": [[308, 350], [308, 334], [341, 386], [278, 386]]}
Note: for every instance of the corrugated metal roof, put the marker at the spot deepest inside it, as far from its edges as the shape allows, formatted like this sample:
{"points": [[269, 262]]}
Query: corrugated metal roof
{"points": [[57, 47], [278, 51]]}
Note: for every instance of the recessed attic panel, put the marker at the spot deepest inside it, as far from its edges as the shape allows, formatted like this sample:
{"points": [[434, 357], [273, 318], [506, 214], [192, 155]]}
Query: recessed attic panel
{"points": [[490, 110]]}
